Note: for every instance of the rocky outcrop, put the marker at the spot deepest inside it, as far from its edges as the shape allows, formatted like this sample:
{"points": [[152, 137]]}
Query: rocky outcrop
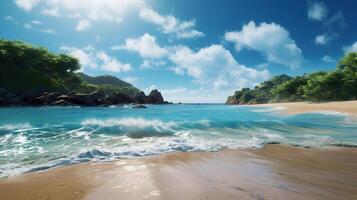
{"points": [[155, 97], [96, 98], [62, 103]]}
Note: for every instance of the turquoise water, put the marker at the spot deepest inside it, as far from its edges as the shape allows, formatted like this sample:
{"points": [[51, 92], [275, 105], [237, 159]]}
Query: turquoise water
{"points": [[33, 139]]}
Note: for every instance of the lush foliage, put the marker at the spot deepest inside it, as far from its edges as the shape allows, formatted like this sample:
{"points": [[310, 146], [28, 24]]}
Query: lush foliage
{"points": [[337, 85], [25, 68]]}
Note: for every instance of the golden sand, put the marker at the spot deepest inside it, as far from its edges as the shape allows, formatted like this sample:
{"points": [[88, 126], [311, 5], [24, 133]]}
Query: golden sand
{"points": [[348, 107], [273, 172]]}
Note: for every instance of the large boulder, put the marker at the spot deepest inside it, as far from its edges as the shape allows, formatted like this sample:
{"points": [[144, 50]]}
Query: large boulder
{"points": [[155, 97], [140, 98], [86, 99], [61, 103], [46, 98]]}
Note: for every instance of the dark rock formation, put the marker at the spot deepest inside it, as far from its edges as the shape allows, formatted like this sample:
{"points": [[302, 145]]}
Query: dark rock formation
{"points": [[61, 103], [155, 97], [97, 98], [140, 98], [139, 106]]}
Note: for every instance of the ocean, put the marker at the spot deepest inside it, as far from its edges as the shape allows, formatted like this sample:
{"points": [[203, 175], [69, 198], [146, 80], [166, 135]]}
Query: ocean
{"points": [[39, 138]]}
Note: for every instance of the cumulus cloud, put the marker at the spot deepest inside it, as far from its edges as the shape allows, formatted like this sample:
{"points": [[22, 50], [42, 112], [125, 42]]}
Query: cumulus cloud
{"points": [[215, 68], [351, 48], [328, 59], [171, 25], [90, 10], [271, 40], [146, 46], [317, 11], [91, 58], [27, 4]]}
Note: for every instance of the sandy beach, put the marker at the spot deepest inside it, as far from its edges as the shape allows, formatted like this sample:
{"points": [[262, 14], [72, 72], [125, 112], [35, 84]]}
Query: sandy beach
{"points": [[273, 172], [348, 107]]}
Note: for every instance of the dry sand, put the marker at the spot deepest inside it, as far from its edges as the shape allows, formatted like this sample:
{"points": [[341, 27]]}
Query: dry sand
{"points": [[273, 172], [348, 107]]}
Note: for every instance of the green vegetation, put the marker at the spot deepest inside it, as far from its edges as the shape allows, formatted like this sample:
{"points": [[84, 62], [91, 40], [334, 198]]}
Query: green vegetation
{"points": [[25, 68], [337, 85]]}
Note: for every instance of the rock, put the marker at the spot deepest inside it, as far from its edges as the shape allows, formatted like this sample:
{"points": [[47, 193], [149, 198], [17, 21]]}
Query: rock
{"points": [[87, 99], [139, 106], [61, 103], [140, 98], [121, 99], [2, 91], [105, 101], [155, 97], [62, 97], [46, 98]]}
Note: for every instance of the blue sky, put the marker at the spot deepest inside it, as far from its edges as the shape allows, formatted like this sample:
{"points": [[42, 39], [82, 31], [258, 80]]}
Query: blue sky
{"points": [[193, 51]]}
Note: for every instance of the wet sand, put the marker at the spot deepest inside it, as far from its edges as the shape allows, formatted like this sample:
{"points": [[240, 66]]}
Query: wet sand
{"points": [[348, 107], [273, 172]]}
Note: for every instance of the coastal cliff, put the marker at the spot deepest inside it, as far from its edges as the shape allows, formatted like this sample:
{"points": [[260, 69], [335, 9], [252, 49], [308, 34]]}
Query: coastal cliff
{"points": [[337, 85]]}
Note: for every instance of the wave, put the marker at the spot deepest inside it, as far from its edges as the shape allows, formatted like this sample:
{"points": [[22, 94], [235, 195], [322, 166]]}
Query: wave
{"points": [[10, 127], [270, 109], [133, 127]]}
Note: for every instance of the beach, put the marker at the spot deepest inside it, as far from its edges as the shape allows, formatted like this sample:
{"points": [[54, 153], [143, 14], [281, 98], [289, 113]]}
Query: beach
{"points": [[260, 172], [347, 107], [273, 172]]}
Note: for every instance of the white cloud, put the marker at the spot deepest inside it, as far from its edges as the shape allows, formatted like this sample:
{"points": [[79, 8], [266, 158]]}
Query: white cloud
{"points": [[83, 25], [49, 31], [30, 24], [215, 68], [145, 45], [152, 64], [271, 40], [328, 59], [317, 11], [27, 4], [324, 38], [51, 12], [351, 48], [91, 10], [171, 25], [91, 58]]}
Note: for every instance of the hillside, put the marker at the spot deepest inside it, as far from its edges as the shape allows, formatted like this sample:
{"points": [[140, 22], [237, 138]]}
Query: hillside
{"points": [[32, 75], [25, 68], [338, 85]]}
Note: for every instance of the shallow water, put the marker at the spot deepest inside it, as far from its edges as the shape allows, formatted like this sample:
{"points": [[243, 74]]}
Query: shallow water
{"points": [[33, 139]]}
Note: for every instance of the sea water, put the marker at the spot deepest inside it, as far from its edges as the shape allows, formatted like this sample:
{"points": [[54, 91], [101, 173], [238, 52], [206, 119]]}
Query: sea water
{"points": [[40, 138]]}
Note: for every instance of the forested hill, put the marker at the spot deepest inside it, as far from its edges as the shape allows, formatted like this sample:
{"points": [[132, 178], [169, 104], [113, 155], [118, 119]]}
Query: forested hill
{"points": [[32, 75], [35, 69], [337, 85]]}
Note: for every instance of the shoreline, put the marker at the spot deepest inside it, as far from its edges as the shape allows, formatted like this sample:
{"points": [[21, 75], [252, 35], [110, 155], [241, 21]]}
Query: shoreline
{"points": [[293, 108], [271, 172]]}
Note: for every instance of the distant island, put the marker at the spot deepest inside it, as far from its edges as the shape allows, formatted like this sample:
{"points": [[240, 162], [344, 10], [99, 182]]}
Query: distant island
{"points": [[337, 85], [34, 76]]}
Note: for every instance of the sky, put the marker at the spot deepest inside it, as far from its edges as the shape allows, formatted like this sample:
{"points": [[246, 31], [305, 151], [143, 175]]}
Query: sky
{"points": [[191, 50]]}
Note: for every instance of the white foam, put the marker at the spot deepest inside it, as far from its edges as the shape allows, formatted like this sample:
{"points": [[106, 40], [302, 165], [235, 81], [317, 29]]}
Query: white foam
{"points": [[271, 109], [9, 127], [139, 123], [332, 113]]}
